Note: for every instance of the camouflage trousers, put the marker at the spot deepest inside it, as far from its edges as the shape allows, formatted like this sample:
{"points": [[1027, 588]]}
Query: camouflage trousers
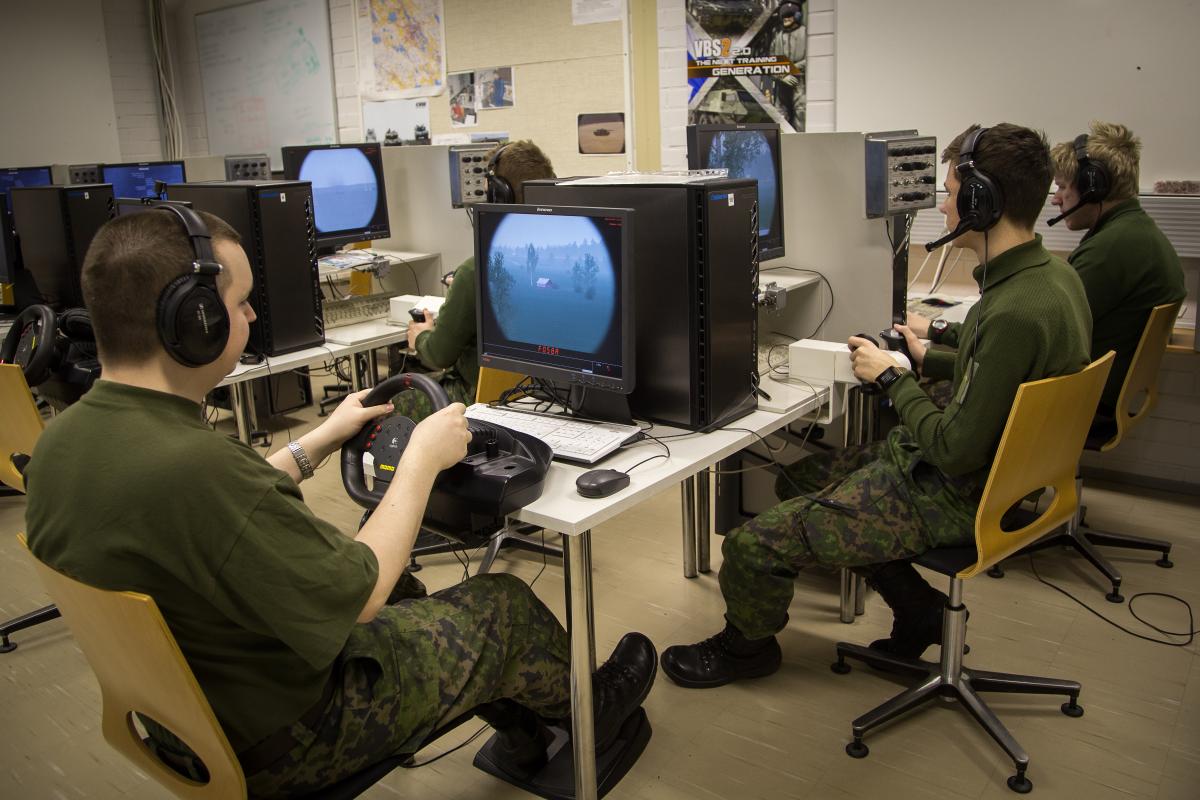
{"points": [[420, 664], [416, 406], [848, 508]]}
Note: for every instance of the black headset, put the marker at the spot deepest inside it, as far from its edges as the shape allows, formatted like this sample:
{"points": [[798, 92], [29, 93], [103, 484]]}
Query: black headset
{"points": [[1092, 179], [799, 9], [499, 190], [980, 199], [193, 324]]}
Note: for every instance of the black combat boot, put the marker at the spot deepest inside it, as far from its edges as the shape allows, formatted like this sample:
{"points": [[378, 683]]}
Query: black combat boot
{"points": [[620, 686], [726, 657], [917, 607]]}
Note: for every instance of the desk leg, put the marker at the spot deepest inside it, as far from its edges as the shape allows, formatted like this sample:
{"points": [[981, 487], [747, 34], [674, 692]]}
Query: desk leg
{"points": [[356, 381], [860, 595], [687, 490], [372, 367], [577, 552], [846, 605], [240, 394], [703, 524]]}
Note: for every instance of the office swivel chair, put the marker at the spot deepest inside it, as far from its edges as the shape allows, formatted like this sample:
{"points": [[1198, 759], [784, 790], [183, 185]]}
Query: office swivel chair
{"points": [[1040, 448], [1138, 397], [492, 383], [141, 670], [19, 432]]}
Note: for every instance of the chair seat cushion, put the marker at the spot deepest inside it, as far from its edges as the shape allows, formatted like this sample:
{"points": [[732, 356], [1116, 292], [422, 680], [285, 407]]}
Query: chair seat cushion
{"points": [[948, 560]]}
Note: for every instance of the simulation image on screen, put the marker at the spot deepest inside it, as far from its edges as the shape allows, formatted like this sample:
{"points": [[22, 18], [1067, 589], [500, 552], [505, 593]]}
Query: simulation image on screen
{"points": [[345, 191], [747, 154], [552, 288], [137, 180]]}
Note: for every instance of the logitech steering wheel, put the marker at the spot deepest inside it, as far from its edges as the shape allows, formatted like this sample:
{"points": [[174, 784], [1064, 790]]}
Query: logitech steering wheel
{"points": [[31, 343], [502, 471]]}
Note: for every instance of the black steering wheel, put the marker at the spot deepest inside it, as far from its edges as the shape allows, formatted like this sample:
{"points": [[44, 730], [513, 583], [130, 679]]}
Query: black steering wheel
{"points": [[31, 343], [502, 471]]}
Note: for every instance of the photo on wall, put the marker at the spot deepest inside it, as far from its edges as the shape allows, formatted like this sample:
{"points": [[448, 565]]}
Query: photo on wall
{"points": [[464, 100], [495, 88], [747, 62], [602, 134]]}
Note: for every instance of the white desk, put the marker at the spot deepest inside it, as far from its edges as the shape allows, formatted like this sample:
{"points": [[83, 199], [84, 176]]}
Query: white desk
{"points": [[562, 509], [366, 337]]}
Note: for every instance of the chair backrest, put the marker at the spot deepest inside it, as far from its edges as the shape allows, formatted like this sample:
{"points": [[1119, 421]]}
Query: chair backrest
{"points": [[140, 668], [22, 423], [1040, 448], [494, 382], [1141, 382]]}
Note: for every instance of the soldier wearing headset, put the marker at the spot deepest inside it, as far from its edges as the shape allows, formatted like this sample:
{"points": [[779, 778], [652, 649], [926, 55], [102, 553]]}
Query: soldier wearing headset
{"points": [[448, 342], [285, 621], [874, 506]]}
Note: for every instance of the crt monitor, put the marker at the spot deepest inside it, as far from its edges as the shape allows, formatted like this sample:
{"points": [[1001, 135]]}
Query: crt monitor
{"points": [[554, 293], [11, 177], [747, 150], [349, 202], [137, 180]]}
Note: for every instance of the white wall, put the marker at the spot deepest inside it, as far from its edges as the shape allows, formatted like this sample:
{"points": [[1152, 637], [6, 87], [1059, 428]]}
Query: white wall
{"points": [[940, 66], [57, 96], [134, 79]]}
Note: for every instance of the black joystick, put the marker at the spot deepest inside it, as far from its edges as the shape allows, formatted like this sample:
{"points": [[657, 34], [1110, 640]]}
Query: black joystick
{"points": [[894, 340], [417, 314]]}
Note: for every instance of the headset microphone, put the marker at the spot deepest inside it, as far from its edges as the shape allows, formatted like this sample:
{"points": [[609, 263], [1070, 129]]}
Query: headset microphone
{"points": [[963, 226], [1067, 213]]}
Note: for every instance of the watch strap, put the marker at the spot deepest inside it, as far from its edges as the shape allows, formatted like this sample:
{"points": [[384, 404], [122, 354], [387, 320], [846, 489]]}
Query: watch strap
{"points": [[302, 462]]}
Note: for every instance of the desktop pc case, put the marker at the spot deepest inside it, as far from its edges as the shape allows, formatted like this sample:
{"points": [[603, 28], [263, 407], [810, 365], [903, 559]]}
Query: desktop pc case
{"points": [[55, 226], [275, 220], [695, 247]]}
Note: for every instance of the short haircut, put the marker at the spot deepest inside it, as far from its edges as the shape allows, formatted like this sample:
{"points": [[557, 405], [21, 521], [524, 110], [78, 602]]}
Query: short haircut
{"points": [[1018, 160], [129, 263], [1111, 145], [522, 161]]}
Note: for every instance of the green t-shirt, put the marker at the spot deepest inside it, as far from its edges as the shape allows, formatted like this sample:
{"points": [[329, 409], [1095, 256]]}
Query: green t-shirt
{"points": [[130, 490], [452, 344], [1127, 267]]}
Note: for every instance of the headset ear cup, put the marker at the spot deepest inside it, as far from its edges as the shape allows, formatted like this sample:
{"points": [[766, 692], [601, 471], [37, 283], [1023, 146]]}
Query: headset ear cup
{"points": [[192, 322], [980, 202]]}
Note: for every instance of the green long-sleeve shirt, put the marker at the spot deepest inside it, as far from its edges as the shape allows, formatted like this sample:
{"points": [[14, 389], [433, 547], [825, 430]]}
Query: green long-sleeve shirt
{"points": [[1035, 325], [451, 344], [1127, 267]]}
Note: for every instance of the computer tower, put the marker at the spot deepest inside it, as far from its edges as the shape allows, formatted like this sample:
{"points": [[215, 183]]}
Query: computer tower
{"points": [[275, 220], [55, 226], [8, 245], [695, 282]]}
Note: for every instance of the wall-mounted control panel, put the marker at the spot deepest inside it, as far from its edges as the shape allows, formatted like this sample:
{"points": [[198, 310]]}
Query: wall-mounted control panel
{"points": [[468, 174], [901, 170]]}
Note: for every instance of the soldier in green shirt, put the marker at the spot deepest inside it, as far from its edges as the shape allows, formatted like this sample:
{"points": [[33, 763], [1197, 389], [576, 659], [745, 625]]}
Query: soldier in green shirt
{"points": [[873, 506], [448, 341], [1125, 262], [284, 620]]}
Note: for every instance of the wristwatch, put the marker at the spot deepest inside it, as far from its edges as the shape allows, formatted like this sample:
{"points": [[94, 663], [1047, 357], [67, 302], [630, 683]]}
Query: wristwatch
{"points": [[887, 378], [302, 462], [936, 329]]}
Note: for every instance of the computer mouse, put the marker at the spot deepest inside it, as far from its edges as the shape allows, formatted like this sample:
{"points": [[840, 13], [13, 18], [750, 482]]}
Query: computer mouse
{"points": [[601, 482]]}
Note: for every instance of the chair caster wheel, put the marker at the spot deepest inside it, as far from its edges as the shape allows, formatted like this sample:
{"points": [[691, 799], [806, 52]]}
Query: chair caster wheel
{"points": [[840, 667], [8, 647], [857, 749], [996, 571], [1114, 597], [1165, 562], [1020, 784], [1072, 709]]}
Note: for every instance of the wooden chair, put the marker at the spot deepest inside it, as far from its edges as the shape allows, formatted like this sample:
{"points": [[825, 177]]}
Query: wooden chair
{"points": [[492, 384], [18, 434], [1039, 449], [1138, 397], [140, 669]]}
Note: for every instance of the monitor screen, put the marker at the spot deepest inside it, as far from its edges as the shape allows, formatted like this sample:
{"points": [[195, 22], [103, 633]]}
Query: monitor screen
{"points": [[137, 180], [554, 293], [349, 201], [747, 151], [12, 177]]}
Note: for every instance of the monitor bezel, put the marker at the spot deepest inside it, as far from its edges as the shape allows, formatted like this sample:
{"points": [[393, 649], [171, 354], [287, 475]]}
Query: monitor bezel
{"points": [[623, 385], [771, 248], [291, 172], [104, 167]]}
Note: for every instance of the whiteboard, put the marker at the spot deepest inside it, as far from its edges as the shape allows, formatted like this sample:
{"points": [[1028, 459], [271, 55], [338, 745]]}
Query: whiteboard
{"points": [[267, 72]]}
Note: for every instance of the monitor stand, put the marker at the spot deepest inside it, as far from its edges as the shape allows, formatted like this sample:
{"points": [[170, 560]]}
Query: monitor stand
{"points": [[601, 405]]}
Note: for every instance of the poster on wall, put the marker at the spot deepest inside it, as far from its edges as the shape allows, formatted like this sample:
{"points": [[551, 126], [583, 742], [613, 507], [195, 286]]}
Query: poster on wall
{"points": [[494, 87], [401, 48], [747, 61], [602, 133], [464, 100], [408, 119]]}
